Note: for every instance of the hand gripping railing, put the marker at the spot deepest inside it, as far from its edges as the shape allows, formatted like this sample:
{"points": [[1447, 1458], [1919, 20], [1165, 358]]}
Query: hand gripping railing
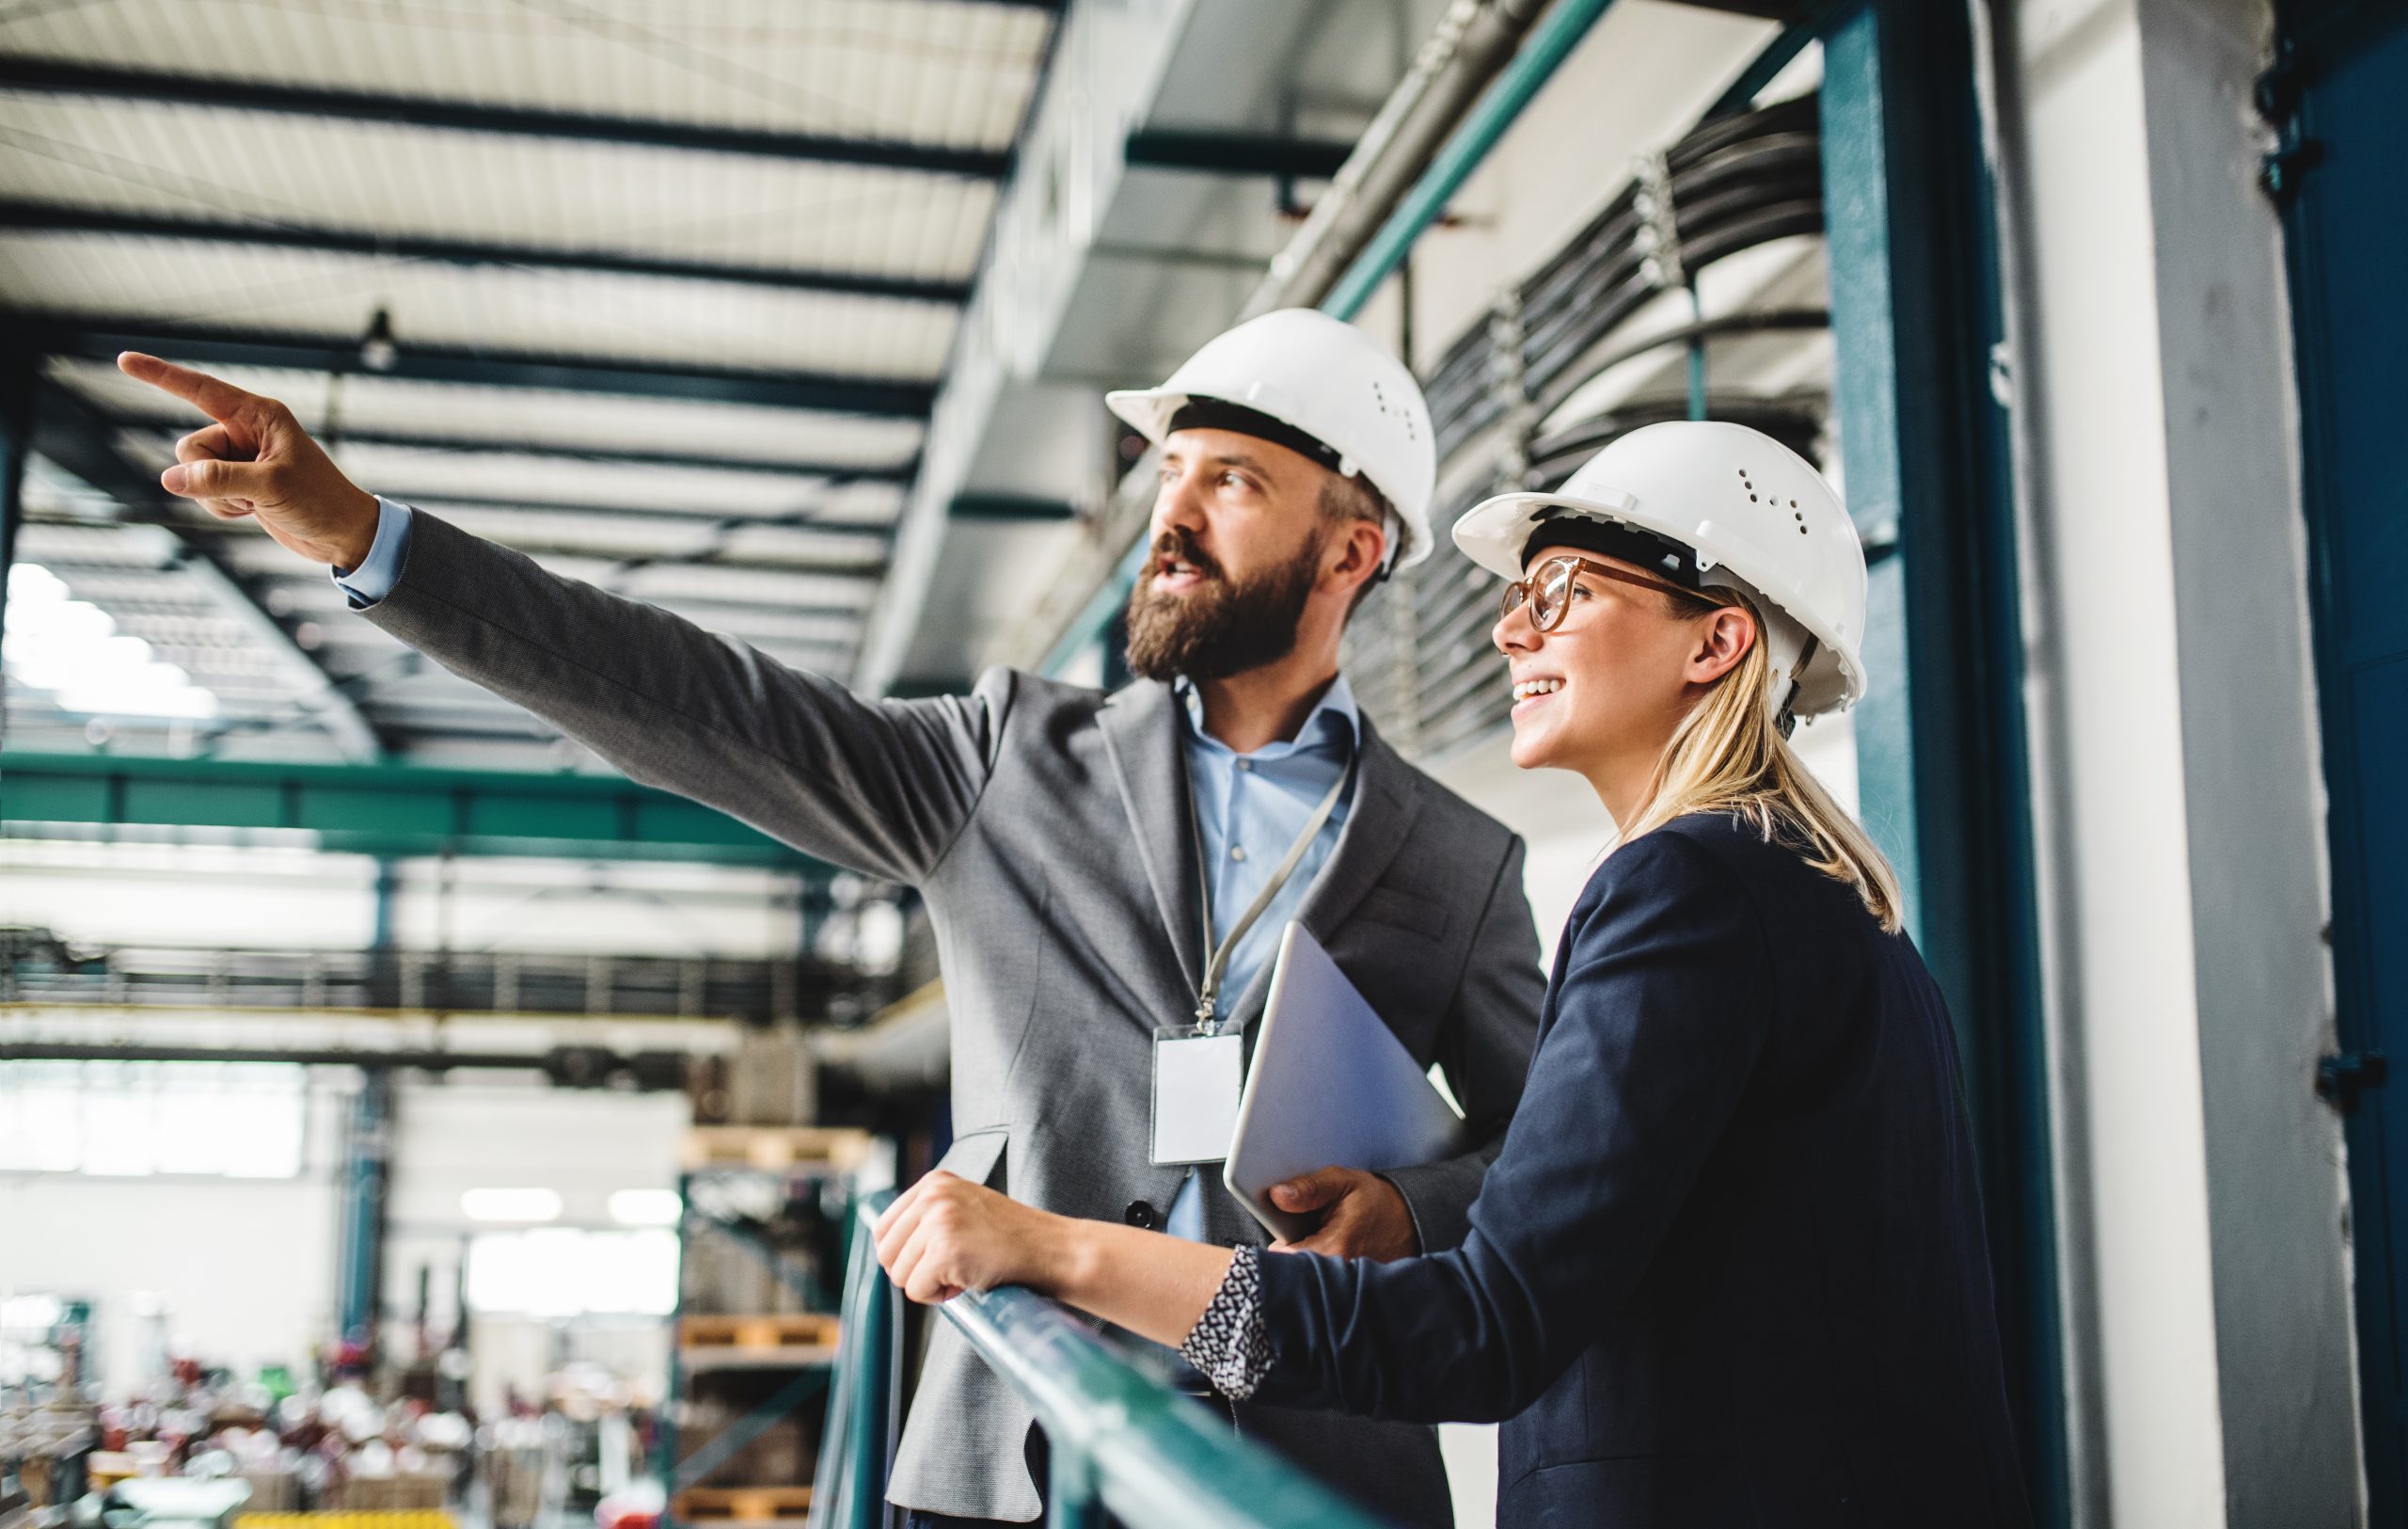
{"points": [[1119, 1439]]}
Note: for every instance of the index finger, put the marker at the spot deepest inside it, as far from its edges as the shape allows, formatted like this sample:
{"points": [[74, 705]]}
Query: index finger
{"points": [[220, 400]]}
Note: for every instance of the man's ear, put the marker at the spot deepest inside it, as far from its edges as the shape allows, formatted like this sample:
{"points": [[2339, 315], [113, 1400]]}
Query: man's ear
{"points": [[1723, 639], [1358, 552]]}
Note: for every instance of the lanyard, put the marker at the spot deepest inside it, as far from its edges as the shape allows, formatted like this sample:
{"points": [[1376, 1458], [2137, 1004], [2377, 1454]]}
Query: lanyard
{"points": [[1205, 1020]]}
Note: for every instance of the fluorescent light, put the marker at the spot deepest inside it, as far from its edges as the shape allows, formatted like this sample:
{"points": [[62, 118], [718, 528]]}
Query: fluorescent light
{"points": [[646, 1207], [72, 648], [511, 1204]]}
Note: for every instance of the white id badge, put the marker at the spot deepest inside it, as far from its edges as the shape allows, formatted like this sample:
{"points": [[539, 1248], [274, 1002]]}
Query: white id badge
{"points": [[1197, 1081]]}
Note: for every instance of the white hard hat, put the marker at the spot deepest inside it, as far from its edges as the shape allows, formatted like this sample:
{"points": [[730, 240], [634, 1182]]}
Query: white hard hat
{"points": [[1755, 514], [1331, 382]]}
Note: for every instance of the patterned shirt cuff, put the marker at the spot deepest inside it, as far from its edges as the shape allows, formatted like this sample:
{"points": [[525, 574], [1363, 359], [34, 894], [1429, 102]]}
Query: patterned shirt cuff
{"points": [[1229, 1344]]}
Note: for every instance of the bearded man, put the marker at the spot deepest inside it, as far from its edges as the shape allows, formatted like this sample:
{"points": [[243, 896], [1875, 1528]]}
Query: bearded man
{"points": [[1104, 872]]}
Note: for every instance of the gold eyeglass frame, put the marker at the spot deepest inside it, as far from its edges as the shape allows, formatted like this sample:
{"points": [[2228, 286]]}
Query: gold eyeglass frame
{"points": [[1522, 591]]}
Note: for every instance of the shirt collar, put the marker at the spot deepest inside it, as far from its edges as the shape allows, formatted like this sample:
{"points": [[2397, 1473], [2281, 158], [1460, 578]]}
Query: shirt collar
{"points": [[1333, 720]]}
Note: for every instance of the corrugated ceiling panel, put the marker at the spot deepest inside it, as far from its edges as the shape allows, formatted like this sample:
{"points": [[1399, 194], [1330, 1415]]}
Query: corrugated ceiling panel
{"points": [[516, 416], [564, 312], [365, 177], [947, 74], [571, 481]]}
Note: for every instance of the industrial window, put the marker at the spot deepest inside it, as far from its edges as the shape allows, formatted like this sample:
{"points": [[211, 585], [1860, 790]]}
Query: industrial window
{"points": [[556, 1271], [132, 1120]]}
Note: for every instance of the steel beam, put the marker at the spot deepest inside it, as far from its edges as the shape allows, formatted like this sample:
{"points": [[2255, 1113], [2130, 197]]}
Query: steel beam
{"points": [[1022, 508], [386, 809], [60, 77], [59, 217], [1235, 153], [100, 336], [1943, 757], [78, 438], [890, 472]]}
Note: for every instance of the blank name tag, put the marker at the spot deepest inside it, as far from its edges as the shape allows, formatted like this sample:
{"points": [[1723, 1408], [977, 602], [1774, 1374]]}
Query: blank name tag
{"points": [[1198, 1080]]}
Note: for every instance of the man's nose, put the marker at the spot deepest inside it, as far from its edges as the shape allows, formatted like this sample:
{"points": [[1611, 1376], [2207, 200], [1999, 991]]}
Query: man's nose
{"points": [[1179, 503]]}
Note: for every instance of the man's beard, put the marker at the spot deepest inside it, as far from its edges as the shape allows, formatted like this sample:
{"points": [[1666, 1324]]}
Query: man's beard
{"points": [[1221, 627]]}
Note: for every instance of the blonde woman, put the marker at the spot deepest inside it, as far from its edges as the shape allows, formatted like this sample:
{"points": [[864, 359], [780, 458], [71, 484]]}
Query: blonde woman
{"points": [[1729, 1267]]}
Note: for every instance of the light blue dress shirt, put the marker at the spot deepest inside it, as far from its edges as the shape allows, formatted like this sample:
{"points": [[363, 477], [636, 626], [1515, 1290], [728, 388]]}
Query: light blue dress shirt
{"points": [[1250, 807], [381, 570]]}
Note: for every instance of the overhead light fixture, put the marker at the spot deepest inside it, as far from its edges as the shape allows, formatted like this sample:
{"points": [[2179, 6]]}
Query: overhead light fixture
{"points": [[646, 1207], [521, 1205], [377, 351], [72, 648]]}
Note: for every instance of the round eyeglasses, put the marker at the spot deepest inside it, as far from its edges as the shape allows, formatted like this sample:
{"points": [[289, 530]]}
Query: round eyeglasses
{"points": [[1548, 589]]}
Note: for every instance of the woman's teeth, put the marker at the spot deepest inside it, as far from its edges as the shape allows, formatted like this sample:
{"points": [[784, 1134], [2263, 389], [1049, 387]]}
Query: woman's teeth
{"points": [[1528, 688]]}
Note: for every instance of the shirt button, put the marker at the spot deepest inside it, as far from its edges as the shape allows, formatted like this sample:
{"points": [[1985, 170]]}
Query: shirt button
{"points": [[1237, 851], [1246, 764], [1139, 1215]]}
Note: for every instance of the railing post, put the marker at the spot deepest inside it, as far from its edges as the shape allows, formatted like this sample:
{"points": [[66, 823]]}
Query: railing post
{"points": [[1071, 1498]]}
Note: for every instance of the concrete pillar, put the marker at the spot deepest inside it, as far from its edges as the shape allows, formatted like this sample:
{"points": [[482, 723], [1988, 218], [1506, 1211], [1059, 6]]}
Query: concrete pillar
{"points": [[2210, 1372]]}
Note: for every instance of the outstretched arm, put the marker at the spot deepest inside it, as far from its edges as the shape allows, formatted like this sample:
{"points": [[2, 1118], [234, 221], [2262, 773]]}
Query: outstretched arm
{"points": [[884, 788]]}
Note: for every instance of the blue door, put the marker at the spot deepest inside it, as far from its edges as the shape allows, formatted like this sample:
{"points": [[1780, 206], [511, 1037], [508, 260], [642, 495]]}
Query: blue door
{"points": [[2342, 177]]}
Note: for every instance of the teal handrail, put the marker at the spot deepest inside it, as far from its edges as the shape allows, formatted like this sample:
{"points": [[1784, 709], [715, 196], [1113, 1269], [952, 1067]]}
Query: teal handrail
{"points": [[1119, 1439], [857, 1445]]}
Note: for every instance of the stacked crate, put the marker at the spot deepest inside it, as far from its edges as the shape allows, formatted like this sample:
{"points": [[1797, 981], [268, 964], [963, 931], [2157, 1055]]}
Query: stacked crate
{"points": [[757, 1334]]}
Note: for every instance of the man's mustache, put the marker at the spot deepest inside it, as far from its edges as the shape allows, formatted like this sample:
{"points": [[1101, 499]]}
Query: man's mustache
{"points": [[1180, 547]]}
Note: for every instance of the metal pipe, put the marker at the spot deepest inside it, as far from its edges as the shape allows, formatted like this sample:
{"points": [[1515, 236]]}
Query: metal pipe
{"points": [[1551, 42], [1463, 53]]}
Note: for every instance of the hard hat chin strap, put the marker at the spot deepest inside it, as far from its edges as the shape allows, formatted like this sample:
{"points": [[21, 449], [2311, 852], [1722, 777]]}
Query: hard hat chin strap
{"points": [[1786, 719]]}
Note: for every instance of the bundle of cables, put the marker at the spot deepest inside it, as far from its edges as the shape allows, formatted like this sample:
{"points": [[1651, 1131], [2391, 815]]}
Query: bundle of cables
{"points": [[1426, 669]]}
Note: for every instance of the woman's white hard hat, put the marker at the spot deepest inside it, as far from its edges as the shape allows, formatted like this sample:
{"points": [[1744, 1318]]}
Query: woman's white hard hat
{"points": [[1757, 515], [1329, 380]]}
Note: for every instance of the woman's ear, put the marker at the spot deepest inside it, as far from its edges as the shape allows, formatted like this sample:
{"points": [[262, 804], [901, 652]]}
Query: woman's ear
{"points": [[1723, 639]]}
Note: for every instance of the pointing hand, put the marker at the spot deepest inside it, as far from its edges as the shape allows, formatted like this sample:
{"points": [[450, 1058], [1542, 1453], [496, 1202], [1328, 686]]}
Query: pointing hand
{"points": [[257, 460]]}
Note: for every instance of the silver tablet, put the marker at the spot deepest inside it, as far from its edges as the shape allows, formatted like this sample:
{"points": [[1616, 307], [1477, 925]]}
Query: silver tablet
{"points": [[1330, 1085]]}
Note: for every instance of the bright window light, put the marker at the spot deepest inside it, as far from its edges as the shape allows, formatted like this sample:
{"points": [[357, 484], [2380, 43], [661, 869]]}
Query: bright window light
{"points": [[72, 648], [511, 1204], [130, 1120], [646, 1207], [557, 1271]]}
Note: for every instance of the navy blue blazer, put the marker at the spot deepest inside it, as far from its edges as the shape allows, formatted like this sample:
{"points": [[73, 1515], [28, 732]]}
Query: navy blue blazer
{"points": [[1729, 1267]]}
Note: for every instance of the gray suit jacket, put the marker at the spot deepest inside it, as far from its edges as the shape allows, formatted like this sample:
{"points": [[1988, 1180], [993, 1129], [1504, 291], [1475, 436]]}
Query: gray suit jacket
{"points": [[1046, 826]]}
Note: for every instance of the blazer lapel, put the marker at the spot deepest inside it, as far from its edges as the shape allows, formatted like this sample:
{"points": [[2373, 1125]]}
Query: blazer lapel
{"points": [[1141, 734]]}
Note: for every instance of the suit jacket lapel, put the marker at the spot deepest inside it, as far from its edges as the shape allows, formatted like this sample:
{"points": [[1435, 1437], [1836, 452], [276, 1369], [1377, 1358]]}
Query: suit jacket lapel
{"points": [[1141, 734]]}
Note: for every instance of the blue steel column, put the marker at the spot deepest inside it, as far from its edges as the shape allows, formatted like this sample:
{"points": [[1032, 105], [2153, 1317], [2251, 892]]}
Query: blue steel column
{"points": [[1941, 760], [367, 1175]]}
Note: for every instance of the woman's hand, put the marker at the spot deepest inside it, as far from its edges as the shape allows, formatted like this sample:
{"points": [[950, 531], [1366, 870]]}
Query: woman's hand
{"points": [[947, 1235]]}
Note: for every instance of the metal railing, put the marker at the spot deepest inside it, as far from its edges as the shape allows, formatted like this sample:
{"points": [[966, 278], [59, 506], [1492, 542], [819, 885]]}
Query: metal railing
{"points": [[1121, 1440], [36, 967]]}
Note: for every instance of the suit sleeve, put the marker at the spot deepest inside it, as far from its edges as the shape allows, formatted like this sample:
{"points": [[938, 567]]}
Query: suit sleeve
{"points": [[882, 788], [1660, 1020], [1485, 1054]]}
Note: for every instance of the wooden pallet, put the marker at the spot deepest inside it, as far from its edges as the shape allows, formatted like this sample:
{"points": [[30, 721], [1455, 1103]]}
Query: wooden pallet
{"points": [[805, 1329], [775, 1149], [728, 1506]]}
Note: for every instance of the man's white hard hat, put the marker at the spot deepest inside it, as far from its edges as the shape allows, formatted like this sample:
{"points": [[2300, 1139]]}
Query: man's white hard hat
{"points": [[1332, 382], [1755, 514]]}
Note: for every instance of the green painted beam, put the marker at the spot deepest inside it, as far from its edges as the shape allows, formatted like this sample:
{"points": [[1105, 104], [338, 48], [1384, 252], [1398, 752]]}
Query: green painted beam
{"points": [[388, 809]]}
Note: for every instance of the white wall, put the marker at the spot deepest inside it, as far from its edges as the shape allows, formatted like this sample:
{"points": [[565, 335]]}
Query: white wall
{"points": [[2200, 1197], [240, 1272]]}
